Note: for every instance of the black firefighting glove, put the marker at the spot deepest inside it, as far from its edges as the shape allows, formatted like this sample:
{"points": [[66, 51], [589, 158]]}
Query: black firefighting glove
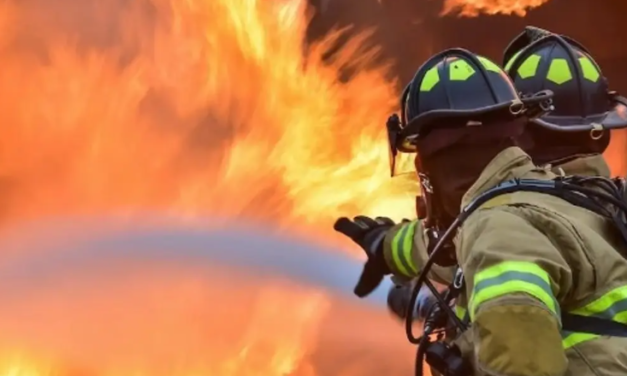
{"points": [[368, 233]]}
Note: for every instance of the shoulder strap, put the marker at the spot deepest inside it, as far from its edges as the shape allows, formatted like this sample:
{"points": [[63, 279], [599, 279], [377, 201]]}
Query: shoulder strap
{"points": [[501, 194], [593, 325]]}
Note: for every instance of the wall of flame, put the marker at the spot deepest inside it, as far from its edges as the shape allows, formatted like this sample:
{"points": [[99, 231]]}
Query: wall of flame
{"points": [[190, 108]]}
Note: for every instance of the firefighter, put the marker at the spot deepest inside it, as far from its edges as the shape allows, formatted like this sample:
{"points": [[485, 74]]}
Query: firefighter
{"points": [[529, 259], [537, 60]]}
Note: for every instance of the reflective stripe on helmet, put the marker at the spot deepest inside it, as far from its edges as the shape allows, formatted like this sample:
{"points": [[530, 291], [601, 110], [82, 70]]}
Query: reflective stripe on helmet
{"points": [[459, 70], [589, 69], [511, 61], [489, 65], [529, 67], [559, 70], [432, 77]]}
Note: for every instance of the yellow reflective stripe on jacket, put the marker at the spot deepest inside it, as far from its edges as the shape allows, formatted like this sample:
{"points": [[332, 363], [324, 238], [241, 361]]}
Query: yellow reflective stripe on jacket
{"points": [[402, 244], [571, 339], [460, 312], [511, 277], [610, 306]]}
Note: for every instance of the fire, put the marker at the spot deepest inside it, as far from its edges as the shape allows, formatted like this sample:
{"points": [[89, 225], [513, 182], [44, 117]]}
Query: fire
{"points": [[473, 8], [195, 108], [179, 338], [292, 345], [209, 108]]}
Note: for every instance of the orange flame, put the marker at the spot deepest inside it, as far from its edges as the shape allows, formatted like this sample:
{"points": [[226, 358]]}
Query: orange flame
{"points": [[473, 8], [219, 111], [197, 108]]}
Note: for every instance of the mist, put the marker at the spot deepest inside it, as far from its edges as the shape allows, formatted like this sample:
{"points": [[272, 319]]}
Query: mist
{"points": [[149, 296]]}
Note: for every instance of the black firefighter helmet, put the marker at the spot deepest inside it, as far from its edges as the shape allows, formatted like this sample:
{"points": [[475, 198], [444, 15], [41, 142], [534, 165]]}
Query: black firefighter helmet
{"points": [[540, 60], [454, 90], [457, 88]]}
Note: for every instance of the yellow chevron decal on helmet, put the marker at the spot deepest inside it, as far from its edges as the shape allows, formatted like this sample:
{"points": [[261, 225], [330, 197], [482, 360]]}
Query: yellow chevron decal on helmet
{"points": [[589, 70], [529, 67], [581, 96], [489, 64], [511, 61], [442, 85], [453, 89], [460, 70], [432, 77], [559, 72]]}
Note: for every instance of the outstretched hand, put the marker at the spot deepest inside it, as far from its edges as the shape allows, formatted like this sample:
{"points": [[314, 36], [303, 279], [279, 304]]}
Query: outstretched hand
{"points": [[368, 233]]}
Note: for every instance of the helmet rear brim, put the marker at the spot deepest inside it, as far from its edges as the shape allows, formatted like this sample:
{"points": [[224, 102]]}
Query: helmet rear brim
{"points": [[616, 118]]}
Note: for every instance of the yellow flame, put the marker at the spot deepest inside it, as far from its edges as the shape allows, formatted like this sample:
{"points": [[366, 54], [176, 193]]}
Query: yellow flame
{"points": [[473, 8]]}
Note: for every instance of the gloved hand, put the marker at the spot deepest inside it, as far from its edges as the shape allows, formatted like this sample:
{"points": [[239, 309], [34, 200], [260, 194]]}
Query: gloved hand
{"points": [[399, 296], [368, 233]]}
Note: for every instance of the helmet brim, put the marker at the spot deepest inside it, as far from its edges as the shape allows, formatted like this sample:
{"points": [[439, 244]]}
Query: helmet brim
{"points": [[456, 118], [529, 107], [616, 118]]}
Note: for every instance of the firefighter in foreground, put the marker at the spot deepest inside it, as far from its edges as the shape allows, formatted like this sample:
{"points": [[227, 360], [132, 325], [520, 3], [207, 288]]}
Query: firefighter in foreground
{"points": [[527, 257], [537, 60]]}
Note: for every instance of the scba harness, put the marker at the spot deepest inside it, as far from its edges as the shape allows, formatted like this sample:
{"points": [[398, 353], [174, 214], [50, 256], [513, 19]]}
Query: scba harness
{"points": [[604, 196]]}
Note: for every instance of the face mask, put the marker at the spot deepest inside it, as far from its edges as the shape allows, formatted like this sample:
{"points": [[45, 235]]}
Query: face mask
{"points": [[451, 172]]}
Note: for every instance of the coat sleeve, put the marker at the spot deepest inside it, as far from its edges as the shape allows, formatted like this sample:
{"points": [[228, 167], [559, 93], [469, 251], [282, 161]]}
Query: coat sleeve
{"points": [[405, 252], [513, 274]]}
